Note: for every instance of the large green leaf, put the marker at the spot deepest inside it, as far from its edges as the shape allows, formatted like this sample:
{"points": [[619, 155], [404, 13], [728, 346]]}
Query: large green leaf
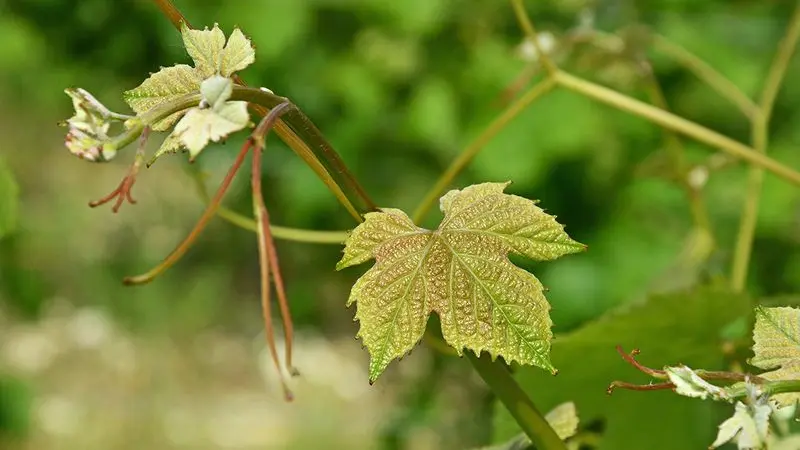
{"points": [[9, 200], [669, 329], [462, 272]]}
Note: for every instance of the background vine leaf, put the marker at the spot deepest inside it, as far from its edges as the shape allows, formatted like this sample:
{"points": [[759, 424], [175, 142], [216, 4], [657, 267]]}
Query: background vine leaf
{"points": [[683, 326], [9, 200], [462, 272], [776, 337]]}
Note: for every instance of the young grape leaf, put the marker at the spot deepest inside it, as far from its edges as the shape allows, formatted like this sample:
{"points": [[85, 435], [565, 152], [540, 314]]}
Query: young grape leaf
{"points": [[171, 144], [214, 120], [462, 272], [199, 126], [564, 420], [211, 57], [9, 200], [683, 326], [776, 337], [88, 137], [161, 87], [688, 383], [748, 427]]}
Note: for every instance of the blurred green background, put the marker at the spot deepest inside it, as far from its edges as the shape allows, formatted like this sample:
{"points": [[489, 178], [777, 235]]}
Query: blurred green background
{"points": [[399, 88]]}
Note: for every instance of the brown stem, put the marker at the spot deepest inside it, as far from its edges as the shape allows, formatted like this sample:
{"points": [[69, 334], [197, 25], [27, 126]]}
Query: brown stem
{"points": [[630, 359], [259, 137], [265, 240], [123, 191], [728, 376], [208, 214], [639, 387]]}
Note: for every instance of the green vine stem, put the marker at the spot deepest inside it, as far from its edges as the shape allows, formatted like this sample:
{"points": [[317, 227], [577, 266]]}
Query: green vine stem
{"points": [[769, 388], [322, 158], [744, 241], [705, 72], [466, 156], [279, 232], [521, 407], [557, 77], [527, 26], [678, 124]]}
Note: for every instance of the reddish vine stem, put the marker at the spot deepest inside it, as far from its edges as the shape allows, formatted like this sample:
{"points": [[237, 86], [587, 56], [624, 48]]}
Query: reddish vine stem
{"points": [[208, 214], [268, 256], [639, 387], [707, 375], [630, 358], [123, 191]]}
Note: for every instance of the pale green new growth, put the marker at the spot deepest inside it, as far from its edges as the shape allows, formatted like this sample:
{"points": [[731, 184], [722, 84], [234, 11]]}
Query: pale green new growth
{"points": [[462, 272], [564, 421], [214, 62], [88, 137], [215, 119], [212, 56], [164, 86], [749, 427], [688, 383], [776, 339]]}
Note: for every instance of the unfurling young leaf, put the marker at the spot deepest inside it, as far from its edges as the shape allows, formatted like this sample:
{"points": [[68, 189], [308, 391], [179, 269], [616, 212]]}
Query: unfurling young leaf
{"points": [[164, 86], [462, 272], [688, 383], [88, 136], [564, 420], [749, 427], [214, 120], [199, 126], [776, 339], [211, 57]]}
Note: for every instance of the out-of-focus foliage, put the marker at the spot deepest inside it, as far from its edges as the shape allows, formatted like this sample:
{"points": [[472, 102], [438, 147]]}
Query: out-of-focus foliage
{"points": [[398, 88], [685, 327], [9, 200]]}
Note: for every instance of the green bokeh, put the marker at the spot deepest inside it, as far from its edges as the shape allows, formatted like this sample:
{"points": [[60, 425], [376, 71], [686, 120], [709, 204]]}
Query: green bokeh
{"points": [[399, 88]]}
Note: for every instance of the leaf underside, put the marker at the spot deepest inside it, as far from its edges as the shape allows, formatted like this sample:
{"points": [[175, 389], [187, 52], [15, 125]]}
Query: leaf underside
{"points": [[462, 272]]}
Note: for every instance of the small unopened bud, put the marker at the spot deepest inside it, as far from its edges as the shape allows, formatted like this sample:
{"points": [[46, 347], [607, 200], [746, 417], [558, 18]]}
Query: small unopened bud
{"points": [[88, 137]]}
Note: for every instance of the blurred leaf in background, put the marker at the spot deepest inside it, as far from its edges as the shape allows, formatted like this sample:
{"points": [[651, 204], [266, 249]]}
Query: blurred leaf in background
{"points": [[681, 328], [399, 88], [9, 200]]}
